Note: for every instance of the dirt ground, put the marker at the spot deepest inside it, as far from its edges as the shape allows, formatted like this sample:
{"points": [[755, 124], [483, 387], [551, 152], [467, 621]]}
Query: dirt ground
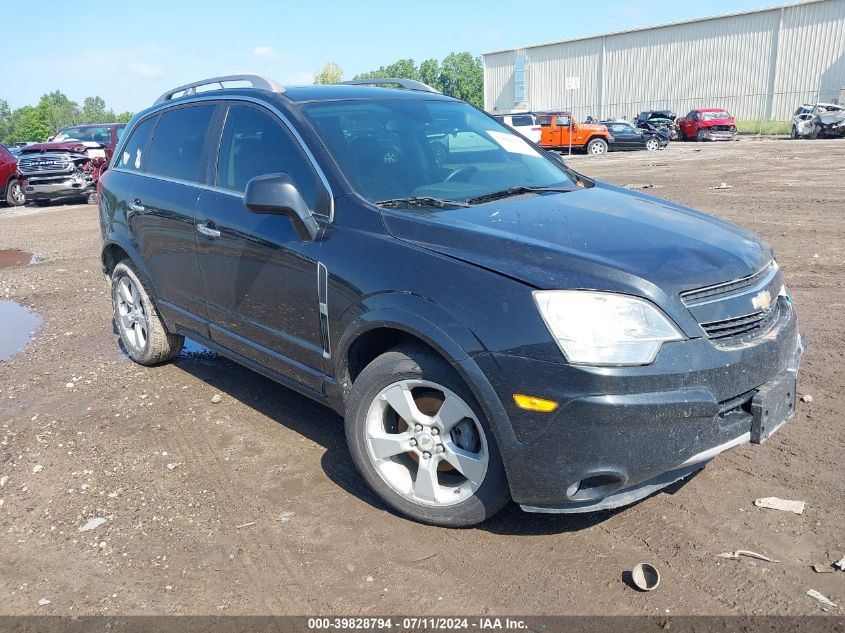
{"points": [[252, 505]]}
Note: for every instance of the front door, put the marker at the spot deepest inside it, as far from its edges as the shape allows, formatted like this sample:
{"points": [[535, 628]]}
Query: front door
{"points": [[260, 279]]}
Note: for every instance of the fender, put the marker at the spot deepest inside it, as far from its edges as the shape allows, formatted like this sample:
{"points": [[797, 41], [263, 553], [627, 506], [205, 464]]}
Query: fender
{"points": [[446, 345], [116, 239]]}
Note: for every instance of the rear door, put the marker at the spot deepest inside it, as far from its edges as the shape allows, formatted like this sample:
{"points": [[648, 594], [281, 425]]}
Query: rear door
{"points": [[161, 208], [260, 279]]}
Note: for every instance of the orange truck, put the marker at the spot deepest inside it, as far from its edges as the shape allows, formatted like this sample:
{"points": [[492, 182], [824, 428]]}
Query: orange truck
{"points": [[556, 128]]}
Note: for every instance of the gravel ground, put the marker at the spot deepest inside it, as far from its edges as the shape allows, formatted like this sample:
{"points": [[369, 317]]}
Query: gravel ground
{"points": [[252, 505]]}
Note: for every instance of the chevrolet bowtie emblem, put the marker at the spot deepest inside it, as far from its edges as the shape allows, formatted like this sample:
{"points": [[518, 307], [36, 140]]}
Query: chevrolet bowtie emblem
{"points": [[762, 300]]}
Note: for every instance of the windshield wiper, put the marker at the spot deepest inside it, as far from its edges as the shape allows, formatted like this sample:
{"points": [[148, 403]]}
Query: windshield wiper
{"points": [[420, 201], [515, 191]]}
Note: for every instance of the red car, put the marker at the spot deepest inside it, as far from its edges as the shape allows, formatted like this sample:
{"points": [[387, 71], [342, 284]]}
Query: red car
{"points": [[69, 165], [707, 124], [10, 185]]}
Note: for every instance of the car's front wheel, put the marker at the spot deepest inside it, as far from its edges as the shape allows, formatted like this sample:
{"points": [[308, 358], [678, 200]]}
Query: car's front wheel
{"points": [[701, 136], [652, 144], [421, 441], [14, 194], [597, 146], [794, 132], [142, 332]]}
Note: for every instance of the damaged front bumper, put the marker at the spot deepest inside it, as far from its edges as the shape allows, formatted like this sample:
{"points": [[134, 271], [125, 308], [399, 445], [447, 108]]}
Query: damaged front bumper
{"points": [[718, 135], [57, 188]]}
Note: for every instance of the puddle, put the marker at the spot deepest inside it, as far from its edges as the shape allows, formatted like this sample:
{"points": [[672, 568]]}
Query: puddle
{"points": [[15, 257], [192, 349], [16, 327]]}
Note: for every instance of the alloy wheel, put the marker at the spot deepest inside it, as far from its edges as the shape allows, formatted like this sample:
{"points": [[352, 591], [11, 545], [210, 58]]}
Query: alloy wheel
{"points": [[17, 194], [652, 144], [132, 315], [426, 443]]}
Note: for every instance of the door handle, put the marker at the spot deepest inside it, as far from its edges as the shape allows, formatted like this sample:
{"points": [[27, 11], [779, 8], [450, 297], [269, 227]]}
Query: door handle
{"points": [[207, 230], [136, 206]]}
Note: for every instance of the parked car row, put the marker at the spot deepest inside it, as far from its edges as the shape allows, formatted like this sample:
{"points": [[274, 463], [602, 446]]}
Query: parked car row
{"points": [[651, 130]]}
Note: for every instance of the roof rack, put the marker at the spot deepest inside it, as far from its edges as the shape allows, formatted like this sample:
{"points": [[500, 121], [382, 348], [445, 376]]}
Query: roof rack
{"points": [[406, 84], [255, 81]]}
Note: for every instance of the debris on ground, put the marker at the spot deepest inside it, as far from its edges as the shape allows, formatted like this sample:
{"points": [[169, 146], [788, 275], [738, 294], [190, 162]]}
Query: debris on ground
{"points": [[806, 398], [243, 525], [823, 568], [815, 595], [43, 602], [775, 503], [92, 524], [746, 552], [645, 577], [216, 398], [285, 517], [640, 185], [4, 479], [723, 185], [174, 466], [840, 564], [37, 469]]}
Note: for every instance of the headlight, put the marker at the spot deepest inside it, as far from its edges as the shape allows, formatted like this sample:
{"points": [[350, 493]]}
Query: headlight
{"points": [[602, 328]]}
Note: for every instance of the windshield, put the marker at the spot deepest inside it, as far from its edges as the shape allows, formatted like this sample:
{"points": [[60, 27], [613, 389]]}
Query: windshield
{"points": [[712, 116], [95, 133], [445, 150]]}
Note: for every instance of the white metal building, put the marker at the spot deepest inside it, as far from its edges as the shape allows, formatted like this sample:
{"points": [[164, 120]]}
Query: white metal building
{"points": [[757, 64]]}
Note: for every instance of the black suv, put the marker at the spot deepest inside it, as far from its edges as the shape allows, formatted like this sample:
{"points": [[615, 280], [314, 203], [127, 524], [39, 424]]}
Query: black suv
{"points": [[491, 324]]}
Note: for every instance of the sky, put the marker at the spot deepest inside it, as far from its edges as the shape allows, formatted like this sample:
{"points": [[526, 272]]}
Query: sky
{"points": [[130, 52]]}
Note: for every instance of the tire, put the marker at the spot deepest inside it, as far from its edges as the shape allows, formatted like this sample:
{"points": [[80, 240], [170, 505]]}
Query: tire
{"points": [[91, 198], [652, 144], [794, 132], [700, 136], [14, 194], [597, 146], [142, 332], [420, 382]]}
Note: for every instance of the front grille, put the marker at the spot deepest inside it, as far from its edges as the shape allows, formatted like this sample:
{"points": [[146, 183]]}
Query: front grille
{"points": [[745, 326], [44, 165], [717, 291]]}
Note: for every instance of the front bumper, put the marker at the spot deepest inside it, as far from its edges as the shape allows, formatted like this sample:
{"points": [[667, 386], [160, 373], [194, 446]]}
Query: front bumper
{"points": [[57, 188], [719, 135], [620, 434]]}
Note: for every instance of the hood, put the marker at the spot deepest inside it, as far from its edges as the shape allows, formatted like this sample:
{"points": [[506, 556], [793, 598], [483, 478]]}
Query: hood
{"points": [[598, 128], [64, 146], [659, 114], [603, 237], [728, 120]]}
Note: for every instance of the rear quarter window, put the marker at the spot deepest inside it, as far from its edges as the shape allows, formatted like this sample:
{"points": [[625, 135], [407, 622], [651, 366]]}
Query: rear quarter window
{"points": [[177, 146], [523, 119], [134, 153]]}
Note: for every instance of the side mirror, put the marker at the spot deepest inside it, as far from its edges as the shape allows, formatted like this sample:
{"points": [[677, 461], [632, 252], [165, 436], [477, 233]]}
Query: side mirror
{"points": [[277, 195]]}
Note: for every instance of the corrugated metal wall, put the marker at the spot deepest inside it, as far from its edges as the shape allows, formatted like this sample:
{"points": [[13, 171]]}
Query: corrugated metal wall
{"points": [[757, 65]]}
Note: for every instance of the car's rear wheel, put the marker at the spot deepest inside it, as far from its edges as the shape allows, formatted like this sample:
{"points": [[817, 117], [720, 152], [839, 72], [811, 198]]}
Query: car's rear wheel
{"points": [[14, 194], [652, 144], [142, 332], [597, 146], [421, 441]]}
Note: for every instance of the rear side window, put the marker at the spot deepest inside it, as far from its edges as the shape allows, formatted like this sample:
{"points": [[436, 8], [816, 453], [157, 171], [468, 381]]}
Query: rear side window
{"points": [[523, 119], [134, 152], [176, 150], [254, 144]]}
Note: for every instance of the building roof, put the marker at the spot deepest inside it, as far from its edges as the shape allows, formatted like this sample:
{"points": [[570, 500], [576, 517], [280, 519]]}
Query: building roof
{"points": [[656, 26]]}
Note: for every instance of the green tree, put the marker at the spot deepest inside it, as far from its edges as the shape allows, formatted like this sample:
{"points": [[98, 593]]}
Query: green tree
{"points": [[29, 124], [5, 119], [402, 69], [94, 111], [124, 117], [59, 111], [462, 77], [430, 73], [330, 74]]}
